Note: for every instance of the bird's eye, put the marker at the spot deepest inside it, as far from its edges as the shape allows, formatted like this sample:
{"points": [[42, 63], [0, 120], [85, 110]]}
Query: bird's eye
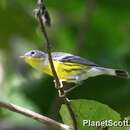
{"points": [[32, 53]]}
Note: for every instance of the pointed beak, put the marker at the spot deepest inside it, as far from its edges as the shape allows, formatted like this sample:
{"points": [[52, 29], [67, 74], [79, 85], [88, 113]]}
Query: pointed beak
{"points": [[23, 57]]}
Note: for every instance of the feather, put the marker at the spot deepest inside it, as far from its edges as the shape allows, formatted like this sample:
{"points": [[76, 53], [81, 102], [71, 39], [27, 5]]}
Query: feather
{"points": [[65, 57]]}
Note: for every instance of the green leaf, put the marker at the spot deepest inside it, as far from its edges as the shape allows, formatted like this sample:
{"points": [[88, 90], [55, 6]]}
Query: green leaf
{"points": [[88, 110]]}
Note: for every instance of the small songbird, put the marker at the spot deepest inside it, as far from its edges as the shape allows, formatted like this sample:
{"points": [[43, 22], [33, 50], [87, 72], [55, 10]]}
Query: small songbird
{"points": [[69, 68]]}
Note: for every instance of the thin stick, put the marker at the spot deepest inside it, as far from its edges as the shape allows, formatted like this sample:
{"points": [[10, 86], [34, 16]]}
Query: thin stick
{"points": [[43, 119], [40, 10]]}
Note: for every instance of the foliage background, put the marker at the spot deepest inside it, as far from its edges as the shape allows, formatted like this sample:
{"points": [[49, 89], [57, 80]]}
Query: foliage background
{"points": [[96, 30]]}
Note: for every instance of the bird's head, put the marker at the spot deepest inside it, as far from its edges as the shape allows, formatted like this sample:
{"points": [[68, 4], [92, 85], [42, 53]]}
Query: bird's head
{"points": [[34, 57]]}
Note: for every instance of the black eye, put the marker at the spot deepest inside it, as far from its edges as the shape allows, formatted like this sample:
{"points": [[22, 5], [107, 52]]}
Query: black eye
{"points": [[32, 53]]}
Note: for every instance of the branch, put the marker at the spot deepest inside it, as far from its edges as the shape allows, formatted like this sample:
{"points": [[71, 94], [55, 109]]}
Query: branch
{"points": [[43, 15], [43, 119]]}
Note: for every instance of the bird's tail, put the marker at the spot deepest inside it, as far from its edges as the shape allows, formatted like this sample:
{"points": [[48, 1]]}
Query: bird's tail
{"points": [[116, 72], [121, 73]]}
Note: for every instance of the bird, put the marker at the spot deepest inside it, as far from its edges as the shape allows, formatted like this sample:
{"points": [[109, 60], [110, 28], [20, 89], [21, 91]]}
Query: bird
{"points": [[69, 68]]}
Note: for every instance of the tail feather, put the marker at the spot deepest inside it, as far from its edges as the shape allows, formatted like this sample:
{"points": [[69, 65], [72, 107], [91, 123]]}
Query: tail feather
{"points": [[114, 72], [122, 73]]}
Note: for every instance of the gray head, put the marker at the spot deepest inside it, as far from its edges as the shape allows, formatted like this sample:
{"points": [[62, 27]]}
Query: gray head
{"points": [[35, 58], [35, 54]]}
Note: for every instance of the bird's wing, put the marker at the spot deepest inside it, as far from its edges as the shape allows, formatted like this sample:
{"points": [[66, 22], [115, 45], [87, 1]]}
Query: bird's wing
{"points": [[65, 57]]}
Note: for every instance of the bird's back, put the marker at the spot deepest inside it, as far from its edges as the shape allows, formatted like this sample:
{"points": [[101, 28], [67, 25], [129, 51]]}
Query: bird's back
{"points": [[66, 57]]}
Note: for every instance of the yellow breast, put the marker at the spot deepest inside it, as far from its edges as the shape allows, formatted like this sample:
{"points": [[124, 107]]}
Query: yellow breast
{"points": [[64, 70]]}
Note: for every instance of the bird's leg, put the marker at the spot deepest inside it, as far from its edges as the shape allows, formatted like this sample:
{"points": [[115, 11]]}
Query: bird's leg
{"points": [[61, 84], [66, 90], [59, 89], [55, 84], [70, 89]]}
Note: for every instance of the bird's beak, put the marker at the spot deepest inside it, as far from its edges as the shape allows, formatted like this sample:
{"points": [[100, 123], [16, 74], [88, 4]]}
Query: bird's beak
{"points": [[23, 57]]}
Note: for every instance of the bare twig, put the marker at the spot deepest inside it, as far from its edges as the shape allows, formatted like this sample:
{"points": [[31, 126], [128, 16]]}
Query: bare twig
{"points": [[43, 119], [39, 13]]}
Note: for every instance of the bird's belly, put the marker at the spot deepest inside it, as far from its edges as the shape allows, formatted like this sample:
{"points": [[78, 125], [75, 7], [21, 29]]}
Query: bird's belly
{"points": [[70, 72], [61, 71], [59, 67]]}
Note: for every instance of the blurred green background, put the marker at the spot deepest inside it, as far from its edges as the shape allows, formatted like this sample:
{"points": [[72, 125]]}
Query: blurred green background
{"points": [[96, 30]]}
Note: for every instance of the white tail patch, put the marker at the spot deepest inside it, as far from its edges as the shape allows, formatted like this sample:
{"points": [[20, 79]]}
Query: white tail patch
{"points": [[95, 71]]}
